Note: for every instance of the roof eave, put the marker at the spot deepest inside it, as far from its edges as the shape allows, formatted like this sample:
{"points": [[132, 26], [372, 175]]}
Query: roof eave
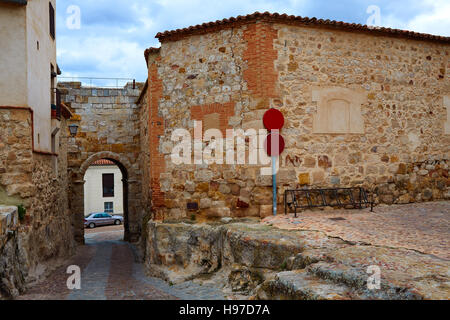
{"points": [[174, 35]]}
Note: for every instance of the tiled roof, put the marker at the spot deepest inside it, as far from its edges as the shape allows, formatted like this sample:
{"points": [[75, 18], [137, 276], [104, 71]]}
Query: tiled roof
{"points": [[294, 20], [103, 162], [150, 50], [18, 2]]}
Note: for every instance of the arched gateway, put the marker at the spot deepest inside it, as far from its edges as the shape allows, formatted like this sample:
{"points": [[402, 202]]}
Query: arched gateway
{"points": [[108, 128], [129, 180]]}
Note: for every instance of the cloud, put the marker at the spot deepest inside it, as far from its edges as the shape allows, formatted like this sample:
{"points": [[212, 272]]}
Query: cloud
{"points": [[115, 33]]}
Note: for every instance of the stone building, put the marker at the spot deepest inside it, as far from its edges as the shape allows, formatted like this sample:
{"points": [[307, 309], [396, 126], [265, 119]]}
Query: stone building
{"points": [[363, 107], [33, 146]]}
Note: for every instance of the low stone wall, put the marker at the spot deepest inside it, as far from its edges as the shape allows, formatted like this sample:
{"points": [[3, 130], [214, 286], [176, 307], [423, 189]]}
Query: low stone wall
{"points": [[416, 182], [12, 274]]}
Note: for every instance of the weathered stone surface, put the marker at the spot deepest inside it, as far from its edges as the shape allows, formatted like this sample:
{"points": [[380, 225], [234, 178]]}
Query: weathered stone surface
{"points": [[270, 263], [179, 251], [265, 210], [299, 285]]}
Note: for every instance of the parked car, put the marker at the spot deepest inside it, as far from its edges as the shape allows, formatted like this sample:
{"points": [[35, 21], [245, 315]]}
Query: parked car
{"points": [[101, 219]]}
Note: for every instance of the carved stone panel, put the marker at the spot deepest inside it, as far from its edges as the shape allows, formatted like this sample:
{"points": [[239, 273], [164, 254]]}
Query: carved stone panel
{"points": [[338, 111]]}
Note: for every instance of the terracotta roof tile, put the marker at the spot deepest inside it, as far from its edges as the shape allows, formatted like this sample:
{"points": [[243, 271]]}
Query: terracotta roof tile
{"points": [[290, 19], [149, 51], [103, 162]]}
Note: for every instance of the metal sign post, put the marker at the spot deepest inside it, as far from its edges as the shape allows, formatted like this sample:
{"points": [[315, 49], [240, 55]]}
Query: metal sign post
{"points": [[273, 120], [274, 184]]}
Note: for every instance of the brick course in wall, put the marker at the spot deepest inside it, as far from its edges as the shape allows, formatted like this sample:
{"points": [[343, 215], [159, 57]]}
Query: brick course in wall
{"points": [[156, 129], [225, 111], [260, 55]]}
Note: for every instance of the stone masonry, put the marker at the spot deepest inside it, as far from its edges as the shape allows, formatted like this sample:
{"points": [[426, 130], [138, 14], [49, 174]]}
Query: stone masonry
{"points": [[108, 121], [39, 183], [362, 108]]}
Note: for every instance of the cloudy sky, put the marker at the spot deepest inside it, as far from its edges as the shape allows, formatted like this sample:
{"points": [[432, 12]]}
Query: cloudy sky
{"points": [[113, 34]]}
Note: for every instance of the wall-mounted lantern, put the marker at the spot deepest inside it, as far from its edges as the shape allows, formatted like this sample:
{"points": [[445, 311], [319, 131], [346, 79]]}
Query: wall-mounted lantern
{"points": [[73, 128]]}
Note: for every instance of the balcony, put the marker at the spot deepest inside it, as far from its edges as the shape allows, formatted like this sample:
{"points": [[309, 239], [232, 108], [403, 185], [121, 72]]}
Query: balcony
{"points": [[56, 108]]}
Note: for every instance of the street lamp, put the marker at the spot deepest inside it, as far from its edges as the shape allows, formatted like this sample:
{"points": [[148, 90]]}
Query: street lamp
{"points": [[73, 128]]}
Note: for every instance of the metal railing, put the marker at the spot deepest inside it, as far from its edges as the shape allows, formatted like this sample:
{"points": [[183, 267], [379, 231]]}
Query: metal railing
{"points": [[331, 197], [100, 82]]}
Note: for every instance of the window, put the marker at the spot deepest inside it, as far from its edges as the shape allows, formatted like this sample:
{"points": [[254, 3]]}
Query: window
{"points": [[108, 184], [51, 11], [108, 208]]}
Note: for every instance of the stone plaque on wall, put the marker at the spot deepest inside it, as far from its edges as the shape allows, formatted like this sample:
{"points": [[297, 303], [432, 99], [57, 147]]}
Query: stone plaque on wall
{"points": [[338, 110]]}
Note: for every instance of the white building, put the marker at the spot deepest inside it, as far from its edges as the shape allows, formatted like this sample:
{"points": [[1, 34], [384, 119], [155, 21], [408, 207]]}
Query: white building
{"points": [[103, 188]]}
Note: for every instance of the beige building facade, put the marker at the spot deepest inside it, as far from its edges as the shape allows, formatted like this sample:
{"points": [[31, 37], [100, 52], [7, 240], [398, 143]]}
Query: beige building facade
{"points": [[28, 55]]}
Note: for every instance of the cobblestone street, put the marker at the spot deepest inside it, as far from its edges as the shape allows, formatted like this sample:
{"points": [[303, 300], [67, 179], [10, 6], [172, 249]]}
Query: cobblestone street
{"points": [[109, 271]]}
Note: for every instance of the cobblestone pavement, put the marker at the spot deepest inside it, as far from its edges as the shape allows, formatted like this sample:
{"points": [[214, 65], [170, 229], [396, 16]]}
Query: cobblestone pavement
{"points": [[109, 271], [424, 227]]}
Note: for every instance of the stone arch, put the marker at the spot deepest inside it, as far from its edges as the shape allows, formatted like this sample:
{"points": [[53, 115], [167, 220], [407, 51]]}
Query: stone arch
{"points": [[78, 191], [114, 157]]}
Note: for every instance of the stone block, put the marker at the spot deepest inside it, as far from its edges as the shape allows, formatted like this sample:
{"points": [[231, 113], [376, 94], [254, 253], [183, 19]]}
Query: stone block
{"points": [[265, 211], [318, 176], [304, 179], [205, 203], [309, 162], [203, 175], [218, 212]]}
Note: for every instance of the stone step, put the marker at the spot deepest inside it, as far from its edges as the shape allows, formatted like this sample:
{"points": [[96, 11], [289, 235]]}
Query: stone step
{"points": [[356, 279], [301, 285]]}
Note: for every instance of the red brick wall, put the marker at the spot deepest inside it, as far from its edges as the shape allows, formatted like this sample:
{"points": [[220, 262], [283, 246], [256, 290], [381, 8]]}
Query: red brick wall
{"points": [[156, 129], [225, 111], [261, 76]]}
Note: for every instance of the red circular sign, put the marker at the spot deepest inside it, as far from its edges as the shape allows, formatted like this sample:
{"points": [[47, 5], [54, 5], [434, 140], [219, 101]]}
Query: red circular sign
{"points": [[273, 119], [277, 141]]}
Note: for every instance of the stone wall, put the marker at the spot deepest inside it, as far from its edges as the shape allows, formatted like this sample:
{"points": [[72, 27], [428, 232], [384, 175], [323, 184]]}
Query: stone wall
{"points": [[11, 275], [108, 120], [38, 182], [360, 110], [16, 156]]}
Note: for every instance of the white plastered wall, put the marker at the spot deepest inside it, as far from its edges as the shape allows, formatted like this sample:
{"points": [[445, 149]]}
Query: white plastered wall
{"points": [[13, 67], [38, 64]]}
